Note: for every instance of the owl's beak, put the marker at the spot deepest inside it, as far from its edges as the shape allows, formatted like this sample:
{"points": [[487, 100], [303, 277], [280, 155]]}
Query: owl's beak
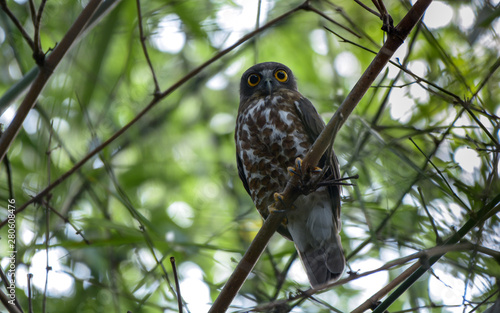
{"points": [[269, 86]]}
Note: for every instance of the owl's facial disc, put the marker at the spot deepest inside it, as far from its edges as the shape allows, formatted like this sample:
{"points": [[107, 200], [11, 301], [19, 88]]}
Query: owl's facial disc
{"points": [[266, 79]]}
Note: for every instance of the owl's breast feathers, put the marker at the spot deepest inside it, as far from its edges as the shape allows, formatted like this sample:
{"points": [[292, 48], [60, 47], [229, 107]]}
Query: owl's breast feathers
{"points": [[269, 137]]}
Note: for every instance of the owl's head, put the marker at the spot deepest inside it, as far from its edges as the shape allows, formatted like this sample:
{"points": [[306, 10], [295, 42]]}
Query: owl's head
{"points": [[265, 78]]}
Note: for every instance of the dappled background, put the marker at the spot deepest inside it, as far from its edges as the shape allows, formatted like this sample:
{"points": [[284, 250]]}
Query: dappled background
{"points": [[424, 142]]}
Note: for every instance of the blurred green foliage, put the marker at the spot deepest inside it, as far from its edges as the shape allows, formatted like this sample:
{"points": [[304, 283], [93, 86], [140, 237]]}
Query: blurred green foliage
{"points": [[169, 185]]}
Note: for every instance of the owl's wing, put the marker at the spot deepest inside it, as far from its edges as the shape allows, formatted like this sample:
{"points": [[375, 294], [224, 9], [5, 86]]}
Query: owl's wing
{"points": [[314, 125], [310, 117], [241, 173]]}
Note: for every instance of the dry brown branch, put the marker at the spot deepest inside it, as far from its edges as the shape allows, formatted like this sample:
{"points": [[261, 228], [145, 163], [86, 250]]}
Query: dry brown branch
{"points": [[177, 286], [326, 138]]}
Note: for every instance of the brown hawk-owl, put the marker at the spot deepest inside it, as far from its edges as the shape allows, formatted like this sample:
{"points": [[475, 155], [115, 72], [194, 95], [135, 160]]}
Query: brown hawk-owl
{"points": [[275, 126]]}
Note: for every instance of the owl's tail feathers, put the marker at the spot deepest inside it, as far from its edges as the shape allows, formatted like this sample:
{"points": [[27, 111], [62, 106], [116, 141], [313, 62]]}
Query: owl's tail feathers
{"points": [[324, 265]]}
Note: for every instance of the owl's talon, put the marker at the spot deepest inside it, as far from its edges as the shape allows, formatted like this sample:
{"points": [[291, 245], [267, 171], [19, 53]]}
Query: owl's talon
{"points": [[297, 170], [298, 164], [317, 170], [292, 171], [278, 197], [273, 207]]}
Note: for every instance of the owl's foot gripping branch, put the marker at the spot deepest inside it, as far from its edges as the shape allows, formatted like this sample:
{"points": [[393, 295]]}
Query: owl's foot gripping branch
{"points": [[309, 179]]}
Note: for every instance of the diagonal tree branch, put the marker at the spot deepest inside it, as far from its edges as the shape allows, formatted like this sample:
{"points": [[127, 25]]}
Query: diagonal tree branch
{"points": [[395, 38], [45, 73], [5, 300], [3, 5]]}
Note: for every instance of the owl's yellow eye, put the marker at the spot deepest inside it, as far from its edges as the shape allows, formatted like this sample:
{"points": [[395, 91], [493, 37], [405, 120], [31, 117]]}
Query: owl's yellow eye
{"points": [[253, 80], [281, 76]]}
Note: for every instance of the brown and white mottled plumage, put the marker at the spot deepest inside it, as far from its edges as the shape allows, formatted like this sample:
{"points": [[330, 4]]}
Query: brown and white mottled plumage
{"points": [[276, 125]]}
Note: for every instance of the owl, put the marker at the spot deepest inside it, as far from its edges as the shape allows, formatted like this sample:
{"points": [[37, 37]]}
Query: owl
{"points": [[275, 126]]}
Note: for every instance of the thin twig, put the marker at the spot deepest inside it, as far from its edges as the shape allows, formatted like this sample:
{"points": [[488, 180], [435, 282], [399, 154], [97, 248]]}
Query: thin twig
{"points": [[38, 52], [47, 267], [47, 225], [364, 6], [429, 306], [353, 23], [454, 97], [3, 5], [446, 58], [431, 219], [177, 286], [144, 48], [492, 70], [442, 177], [31, 5], [484, 301], [66, 220], [257, 25], [466, 105], [30, 297], [379, 7], [8, 170], [326, 17], [282, 275]]}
